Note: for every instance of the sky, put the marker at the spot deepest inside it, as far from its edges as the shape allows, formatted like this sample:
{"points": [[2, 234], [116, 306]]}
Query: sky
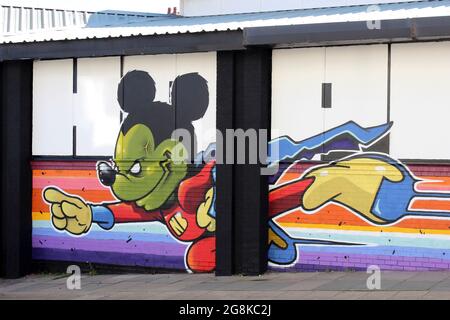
{"points": [[155, 6]]}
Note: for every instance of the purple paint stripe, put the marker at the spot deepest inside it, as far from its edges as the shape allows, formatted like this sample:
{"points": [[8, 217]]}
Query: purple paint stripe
{"points": [[110, 246], [112, 258], [341, 257], [310, 267], [340, 261]]}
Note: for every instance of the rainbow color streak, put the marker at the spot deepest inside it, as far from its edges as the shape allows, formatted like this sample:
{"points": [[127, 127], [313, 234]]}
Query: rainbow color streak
{"points": [[130, 244], [411, 243]]}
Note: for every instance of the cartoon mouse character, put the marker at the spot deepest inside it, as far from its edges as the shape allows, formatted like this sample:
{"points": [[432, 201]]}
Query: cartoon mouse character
{"points": [[149, 173]]}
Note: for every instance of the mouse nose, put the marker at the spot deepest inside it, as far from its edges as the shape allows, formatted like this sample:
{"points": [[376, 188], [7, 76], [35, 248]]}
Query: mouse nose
{"points": [[106, 174]]}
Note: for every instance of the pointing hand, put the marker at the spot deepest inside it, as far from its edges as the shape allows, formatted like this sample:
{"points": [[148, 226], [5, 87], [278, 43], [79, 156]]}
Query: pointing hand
{"points": [[69, 212]]}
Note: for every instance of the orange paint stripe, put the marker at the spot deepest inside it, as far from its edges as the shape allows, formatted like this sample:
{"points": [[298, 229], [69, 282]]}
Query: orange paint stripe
{"points": [[289, 176], [65, 173], [335, 215], [331, 213], [40, 216], [438, 205], [94, 196]]}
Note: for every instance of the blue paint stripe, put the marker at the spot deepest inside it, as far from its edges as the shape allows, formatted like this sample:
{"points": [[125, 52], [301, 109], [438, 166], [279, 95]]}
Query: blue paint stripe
{"points": [[138, 233], [284, 147], [419, 241], [153, 227]]}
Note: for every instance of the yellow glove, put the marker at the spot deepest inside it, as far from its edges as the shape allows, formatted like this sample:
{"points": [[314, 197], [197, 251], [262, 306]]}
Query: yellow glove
{"points": [[69, 212], [204, 220], [353, 182], [178, 224]]}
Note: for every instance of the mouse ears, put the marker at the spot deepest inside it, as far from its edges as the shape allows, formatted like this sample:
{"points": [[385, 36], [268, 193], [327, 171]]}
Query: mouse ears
{"points": [[136, 89], [190, 96]]}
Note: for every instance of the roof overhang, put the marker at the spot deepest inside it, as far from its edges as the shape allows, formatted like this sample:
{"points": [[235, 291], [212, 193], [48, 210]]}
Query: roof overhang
{"points": [[399, 30], [134, 45], [320, 34]]}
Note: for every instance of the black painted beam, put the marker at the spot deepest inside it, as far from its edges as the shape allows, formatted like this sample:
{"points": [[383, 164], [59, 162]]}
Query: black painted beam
{"points": [[243, 102], [15, 214], [2, 197], [225, 172], [136, 45], [252, 111], [395, 30]]}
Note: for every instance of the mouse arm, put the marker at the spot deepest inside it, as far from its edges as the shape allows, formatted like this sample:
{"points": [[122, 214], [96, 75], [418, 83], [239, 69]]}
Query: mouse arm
{"points": [[108, 214], [288, 196]]}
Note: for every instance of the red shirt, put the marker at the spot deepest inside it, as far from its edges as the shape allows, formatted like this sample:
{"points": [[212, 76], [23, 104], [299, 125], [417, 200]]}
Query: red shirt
{"points": [[191, 193]]}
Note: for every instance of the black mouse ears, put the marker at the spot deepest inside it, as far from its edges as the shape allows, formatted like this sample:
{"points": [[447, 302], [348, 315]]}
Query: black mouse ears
{"points": [[136, 90], [190, 96]]}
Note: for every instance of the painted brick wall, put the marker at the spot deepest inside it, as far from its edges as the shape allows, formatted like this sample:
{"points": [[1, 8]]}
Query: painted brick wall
{"points": [[148, 244], [412, 243]]}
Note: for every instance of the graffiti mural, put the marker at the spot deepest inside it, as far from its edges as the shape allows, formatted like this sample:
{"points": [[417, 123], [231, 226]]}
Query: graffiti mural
{"points": [[154, 198], [366, 208]]}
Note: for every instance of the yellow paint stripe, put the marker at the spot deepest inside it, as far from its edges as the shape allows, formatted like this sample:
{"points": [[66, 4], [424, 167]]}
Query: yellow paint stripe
{"points": [[361, 228], [40, 216]]}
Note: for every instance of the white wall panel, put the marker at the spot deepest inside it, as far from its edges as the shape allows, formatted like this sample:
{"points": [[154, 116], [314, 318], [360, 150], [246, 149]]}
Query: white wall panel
{"points": [[269, 5], [420, 100], [359, 88], [206, 65], [165, 68], [97, 112], [162, 68], [297, 76], [240, 6], [359, 85], [52, 107]]}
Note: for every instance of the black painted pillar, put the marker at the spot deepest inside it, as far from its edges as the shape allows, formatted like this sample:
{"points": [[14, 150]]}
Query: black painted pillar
{"points": [[16, 115], [243, 102], [224, 172]]}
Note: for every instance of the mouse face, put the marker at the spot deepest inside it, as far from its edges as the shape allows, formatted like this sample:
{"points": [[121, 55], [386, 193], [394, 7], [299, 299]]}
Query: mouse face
{"points": [[147, 174], [148, 163]]}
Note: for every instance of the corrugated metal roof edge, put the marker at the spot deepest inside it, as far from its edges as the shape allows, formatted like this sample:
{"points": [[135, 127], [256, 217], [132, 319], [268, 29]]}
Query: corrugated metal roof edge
{"points": [[356, 32], [132, 45], [236, 21]]}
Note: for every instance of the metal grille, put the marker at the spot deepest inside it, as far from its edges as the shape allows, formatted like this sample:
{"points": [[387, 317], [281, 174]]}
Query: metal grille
{"points": [[15, 20]]}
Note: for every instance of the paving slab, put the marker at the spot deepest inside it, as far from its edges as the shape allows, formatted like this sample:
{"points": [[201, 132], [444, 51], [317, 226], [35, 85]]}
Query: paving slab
{"points": [[436, 276], [443, 285], [306, 285], [341, 285], [273, 285], [412, 285], [437, 295], [378, 295], [321, 295], [349, 295], [398, 275], [409, 295], [227, 295]]}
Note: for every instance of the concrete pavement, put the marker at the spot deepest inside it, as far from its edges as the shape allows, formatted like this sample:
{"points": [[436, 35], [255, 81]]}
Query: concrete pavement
{"points": [[311, 285]]}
